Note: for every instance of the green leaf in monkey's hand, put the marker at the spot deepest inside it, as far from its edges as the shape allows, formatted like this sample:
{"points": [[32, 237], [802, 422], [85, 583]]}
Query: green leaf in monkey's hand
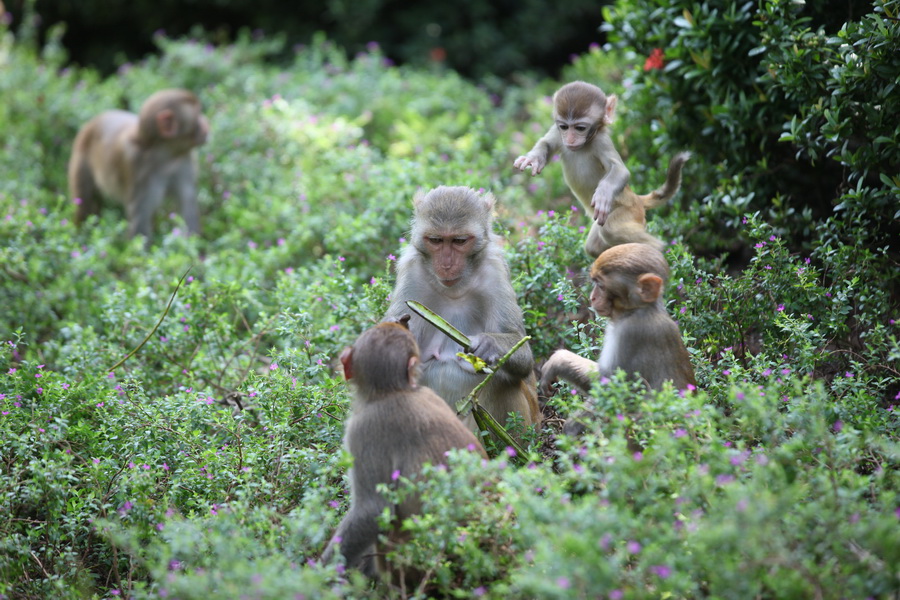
{"points": [[438, 321]]}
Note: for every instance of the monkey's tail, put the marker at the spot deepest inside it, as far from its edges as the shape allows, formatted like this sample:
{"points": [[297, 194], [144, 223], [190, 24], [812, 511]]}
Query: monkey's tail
{"points": [[662, 195]]}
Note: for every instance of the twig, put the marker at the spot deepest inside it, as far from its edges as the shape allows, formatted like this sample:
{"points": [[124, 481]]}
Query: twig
{"points": [[158, 323]]}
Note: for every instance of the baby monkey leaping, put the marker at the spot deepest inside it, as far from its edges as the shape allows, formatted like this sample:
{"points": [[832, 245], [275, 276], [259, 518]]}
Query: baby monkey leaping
{"points": [[594, 171]]}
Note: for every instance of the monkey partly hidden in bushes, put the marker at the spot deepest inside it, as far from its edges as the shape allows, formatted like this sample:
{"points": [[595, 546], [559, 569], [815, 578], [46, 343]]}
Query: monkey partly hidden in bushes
{"points": [[593, 169], [139, 159], [641, 338], [454, 265], [396, 425]]}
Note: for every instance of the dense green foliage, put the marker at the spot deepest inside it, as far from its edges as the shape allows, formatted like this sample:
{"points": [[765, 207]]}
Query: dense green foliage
{"points": [[776, 478]]}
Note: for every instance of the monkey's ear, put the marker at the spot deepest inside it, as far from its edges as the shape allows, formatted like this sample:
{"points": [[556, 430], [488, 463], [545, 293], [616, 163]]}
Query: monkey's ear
{"points": [[649, 287], [488, 199], [412, 371], [347, 361], [610, 112], [165, 123]]}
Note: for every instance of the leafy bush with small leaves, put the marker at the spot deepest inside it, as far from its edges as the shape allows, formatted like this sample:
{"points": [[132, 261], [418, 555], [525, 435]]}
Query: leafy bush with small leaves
{"points": [[787, 107], [171, 417]]}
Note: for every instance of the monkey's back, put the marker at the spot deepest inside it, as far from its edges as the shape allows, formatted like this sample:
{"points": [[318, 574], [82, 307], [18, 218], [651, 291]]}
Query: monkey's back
{"points": [[406, 429], [107, 145], [655, 350]]}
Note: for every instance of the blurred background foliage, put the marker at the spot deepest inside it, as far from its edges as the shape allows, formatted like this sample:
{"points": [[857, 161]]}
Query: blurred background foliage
{"points": [[473, 37]]}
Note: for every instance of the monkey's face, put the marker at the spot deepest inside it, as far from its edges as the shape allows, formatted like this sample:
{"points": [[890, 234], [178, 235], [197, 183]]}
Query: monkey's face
{"points": [[193, 126], [600, 299], [575, 133], [578, 119], [201, 131], [449, 255]]}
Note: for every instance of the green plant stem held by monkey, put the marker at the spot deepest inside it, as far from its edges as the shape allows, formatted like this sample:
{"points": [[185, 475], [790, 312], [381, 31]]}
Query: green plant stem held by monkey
{"points": [[454, 265], [641, 338], [593, 169], [395, 427], [139, 159]]}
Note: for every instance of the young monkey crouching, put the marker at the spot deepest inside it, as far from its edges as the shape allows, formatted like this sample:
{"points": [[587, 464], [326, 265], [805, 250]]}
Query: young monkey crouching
{"points": [[593, 169], [640, 338], [395, 427]]}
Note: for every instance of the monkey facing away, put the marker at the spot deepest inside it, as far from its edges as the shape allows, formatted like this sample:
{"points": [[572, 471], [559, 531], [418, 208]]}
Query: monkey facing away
{"points": [[140, 159], [454, 265], [593, 169], [640, 338], [395, 426]]}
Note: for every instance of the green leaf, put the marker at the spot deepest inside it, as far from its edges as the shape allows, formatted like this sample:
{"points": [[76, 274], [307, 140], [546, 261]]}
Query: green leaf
{"points": [[438, 321]]}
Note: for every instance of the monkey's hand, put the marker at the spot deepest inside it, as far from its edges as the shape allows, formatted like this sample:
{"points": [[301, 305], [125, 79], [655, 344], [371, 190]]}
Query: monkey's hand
{"points": [[601, 201], [536, 163], [548, 378], [486, 348]]}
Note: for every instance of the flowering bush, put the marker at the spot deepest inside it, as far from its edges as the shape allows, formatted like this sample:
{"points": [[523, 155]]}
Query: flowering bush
{"points": [[208, 463]]}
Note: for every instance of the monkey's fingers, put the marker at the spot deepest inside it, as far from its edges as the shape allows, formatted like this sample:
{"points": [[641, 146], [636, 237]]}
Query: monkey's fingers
{"points": [[600, 215], [523, 162], [545, 386]]}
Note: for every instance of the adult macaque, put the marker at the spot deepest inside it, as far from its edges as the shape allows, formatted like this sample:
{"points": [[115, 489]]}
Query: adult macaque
{"points": [[395, 426], [139, 159], [454, 265], [641, 338], [593, 169]]}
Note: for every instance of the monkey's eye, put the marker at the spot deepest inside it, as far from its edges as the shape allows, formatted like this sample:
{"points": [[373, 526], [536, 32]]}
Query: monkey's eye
{"points": [[460, 241], [562, 126], [581, 128], [434, 240]]}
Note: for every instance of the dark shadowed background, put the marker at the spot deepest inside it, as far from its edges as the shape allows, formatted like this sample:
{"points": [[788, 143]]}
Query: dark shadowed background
{"points": [[474, 37]]}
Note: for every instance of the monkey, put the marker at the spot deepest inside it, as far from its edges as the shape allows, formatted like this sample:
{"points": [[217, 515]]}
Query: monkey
{"points": [[137, 159], [593, 169], [396, 425], [640, 338], [454, 265]]}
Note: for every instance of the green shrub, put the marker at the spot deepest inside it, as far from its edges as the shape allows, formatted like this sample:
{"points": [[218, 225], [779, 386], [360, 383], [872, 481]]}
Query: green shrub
{"points": [[769, 97], [208, 464]]}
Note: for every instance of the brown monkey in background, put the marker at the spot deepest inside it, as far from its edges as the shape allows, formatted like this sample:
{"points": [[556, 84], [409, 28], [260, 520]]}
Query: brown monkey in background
{"points": [[139, 159], [395, 427], [641, 338], [593, 169], [454, 265]]}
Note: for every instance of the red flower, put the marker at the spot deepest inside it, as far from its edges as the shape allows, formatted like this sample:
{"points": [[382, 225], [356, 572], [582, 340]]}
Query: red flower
{"points": [[655, 60]]}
